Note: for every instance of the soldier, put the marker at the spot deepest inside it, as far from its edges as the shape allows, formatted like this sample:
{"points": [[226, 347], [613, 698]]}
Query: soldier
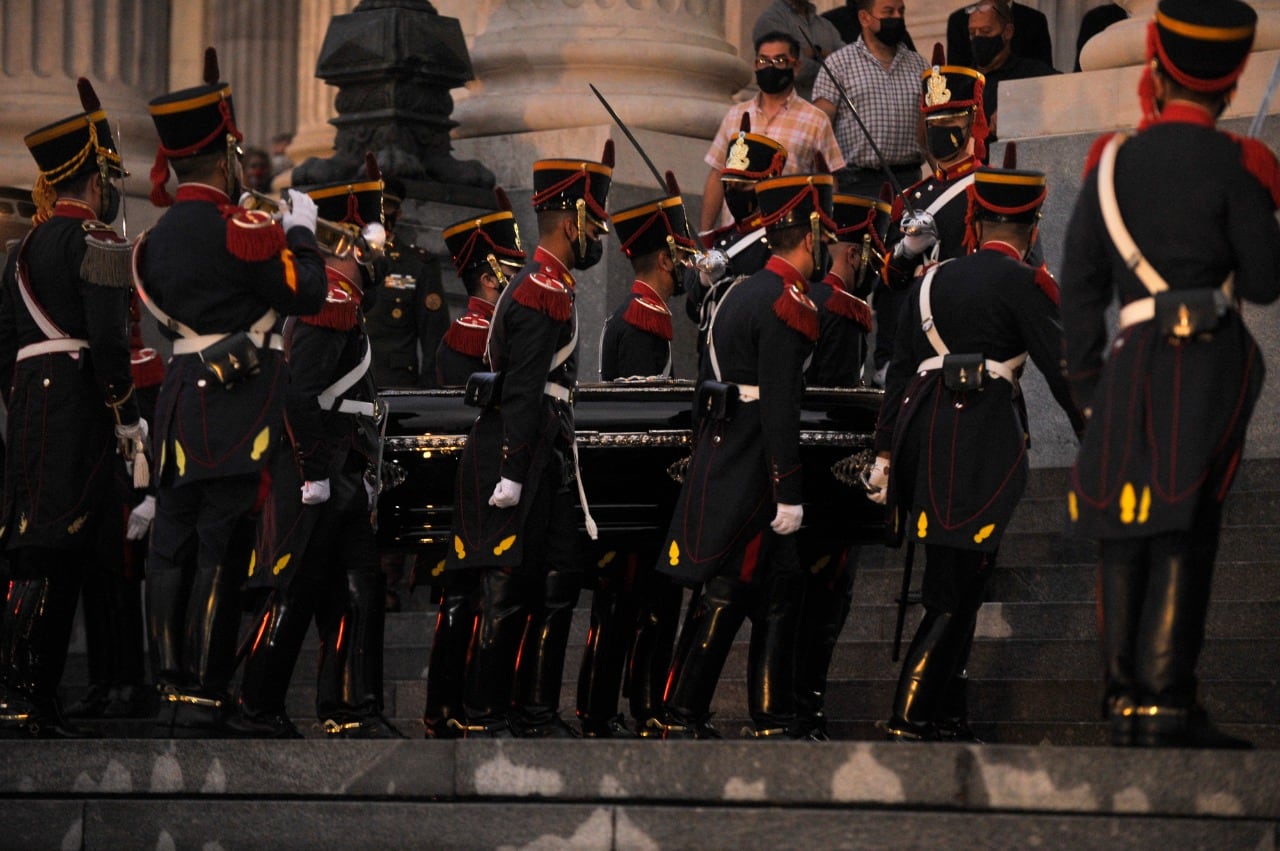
{"points": [[635, 610], [64, 365], [316, 547], [735, 519], [486, 251], [216, 277], [953, 431], [514, 514], [1171, 401], [410, 316]]}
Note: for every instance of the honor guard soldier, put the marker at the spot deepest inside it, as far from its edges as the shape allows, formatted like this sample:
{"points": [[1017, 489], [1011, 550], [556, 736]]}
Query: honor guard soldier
{"points": [[514, 514], [410, 316], [64, 367], [316, 548], [933, 229], [634, 610], [1177, 224], [216, 277], [486, 251], [739, 248], [740, 505], [954, 432]]}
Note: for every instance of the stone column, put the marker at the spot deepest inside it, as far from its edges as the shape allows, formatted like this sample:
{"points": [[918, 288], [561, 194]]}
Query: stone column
{"points": [[313, 135], [122, 47], [258, 52]]}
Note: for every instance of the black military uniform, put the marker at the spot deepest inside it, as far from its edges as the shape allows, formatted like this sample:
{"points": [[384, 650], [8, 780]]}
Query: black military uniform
{"points": [[487, 245], [744, 476], [524, 436], [745, 250], [410, 317], [64, 367], [959, 448], [1172, 395], [222, 274], [635, 610]]}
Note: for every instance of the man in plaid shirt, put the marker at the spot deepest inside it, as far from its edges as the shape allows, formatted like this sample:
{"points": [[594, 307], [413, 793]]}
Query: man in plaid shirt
{"points": [[882, 77]]}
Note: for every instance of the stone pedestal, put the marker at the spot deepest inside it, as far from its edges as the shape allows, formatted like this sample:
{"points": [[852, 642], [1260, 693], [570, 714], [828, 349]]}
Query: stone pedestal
{"points": [[1125, 43]]}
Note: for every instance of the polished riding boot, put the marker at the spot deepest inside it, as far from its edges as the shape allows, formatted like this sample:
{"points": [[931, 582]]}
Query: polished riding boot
{"points": [[447, 668], [828, 598], [167, 592], [718, 615], [113, 626], [652, 649], [268, 670], [926, 670], [603, 660], [771, 689], [541, 665], [495, 644], [953, 710], [1122, 587], [99, 646], [349, 698]]}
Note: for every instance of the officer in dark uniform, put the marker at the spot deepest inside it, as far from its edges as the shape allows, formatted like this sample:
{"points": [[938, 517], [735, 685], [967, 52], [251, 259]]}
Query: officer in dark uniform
{"points": [[933, 229], [953, 431], [829, 561], [216, 277], [316, 548], [64, 367], [486, 251], [410, 316], [735, 519], [514, 514], [739, 248], [1172, 397], [634, 610]]}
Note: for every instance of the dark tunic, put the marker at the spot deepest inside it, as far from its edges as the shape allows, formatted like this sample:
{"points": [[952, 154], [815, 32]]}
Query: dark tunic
{"points": [[409, 314], [636, 341], [1169, 420], [959, 459], [843, 322], [61, 443], [747, 251], [461, 351]]}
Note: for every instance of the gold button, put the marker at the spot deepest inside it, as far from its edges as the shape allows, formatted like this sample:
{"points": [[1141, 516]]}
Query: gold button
{"points": [[396, 313], [45, 383]]}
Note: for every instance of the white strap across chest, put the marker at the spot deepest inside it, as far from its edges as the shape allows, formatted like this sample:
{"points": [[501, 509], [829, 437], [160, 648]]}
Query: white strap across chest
{"points": [[1001, 369]]}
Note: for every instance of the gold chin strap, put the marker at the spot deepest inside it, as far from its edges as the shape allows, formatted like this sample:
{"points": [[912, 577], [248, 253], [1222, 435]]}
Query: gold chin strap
{"points": [[865, 261], [232, 159], [675, 252], [581, 206], [815, 228], [496, 268]]}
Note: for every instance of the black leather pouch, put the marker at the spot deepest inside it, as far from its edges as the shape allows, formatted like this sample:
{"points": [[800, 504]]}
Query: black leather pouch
{"points": [[717, 400], [964, 372], [1183, 314], [484, 390], [232, 359]]}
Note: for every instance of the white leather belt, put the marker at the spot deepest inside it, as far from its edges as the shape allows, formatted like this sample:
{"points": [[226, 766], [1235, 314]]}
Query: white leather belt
{"points": [[1000, 369], [355, 406], [58, 344], [195, 345], [558, 391], [1144, 309], [748, 392]]}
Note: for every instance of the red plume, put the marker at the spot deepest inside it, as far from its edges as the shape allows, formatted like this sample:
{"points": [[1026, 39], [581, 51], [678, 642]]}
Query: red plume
{"points": [[1011, 155], [88, 97], [211, 72], [607, 157], [371, 166], [939, 55], [745, 127], [504, 203], [673, 188], [820, 163]]}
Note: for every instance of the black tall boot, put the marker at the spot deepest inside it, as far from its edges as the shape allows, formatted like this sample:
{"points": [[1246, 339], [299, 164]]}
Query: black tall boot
{"points": [[1122, 586], [928, 667], [718, 614], [604, 657], [100, 649], [495, 644], [653, 647], [447, 668], [349, 698], [541, 669], [268, 670], [828, 597], [771, 688], [953, 710], [167, 592]]}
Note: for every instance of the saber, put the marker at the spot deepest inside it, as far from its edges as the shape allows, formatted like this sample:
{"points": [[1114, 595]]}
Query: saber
{"points": [[903, 597], [630, 138], [1260, 117], [124, 194]]}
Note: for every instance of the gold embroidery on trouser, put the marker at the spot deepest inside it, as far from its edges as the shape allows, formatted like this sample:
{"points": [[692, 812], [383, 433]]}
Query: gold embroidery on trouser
{"points": [[261, 444], [180, 459], [820, 564], [504, 545], [1073, 506], [1144, 507], [253, 561], [984, 533], [459, 548], [673, 554], [1128, 502], [922, 525], [281, 564]]}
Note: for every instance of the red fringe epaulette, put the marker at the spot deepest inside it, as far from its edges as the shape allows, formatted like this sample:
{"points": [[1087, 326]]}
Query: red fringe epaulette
{"points": [[546, 295], [340, 312], [649, 316], [467, 335], [1046, 282], [1259, 161], [147, 367], [1095, 153], [843, 303], [252, 235], [798, 311]]}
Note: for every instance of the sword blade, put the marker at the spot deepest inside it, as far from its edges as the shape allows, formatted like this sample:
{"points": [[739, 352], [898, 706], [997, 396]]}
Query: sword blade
{"points": [[630, 138], [1260, 117]]}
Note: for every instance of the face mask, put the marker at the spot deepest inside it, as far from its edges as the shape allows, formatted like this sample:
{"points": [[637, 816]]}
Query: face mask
{"points": [[677, 279], [110, 203], [892, 31], [592, 256], [985, 49], [741, 204], [945, 142], [774, 80], [821, 263]]}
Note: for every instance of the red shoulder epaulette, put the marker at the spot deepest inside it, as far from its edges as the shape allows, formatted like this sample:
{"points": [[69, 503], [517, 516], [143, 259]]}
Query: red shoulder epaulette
{"points": [[1095, 153], [467, 335], [1259, 161], [1046, 282], [845, 304], [798, 311], [252, 235], [545, 294], [340, 312], [649, 316]]}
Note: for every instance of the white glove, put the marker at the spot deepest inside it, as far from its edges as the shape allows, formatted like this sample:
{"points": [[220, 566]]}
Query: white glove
{"points": [[788, 518], [298, 211], [920, 233], [879, 479], [133, 431], [140, 518], [314, 493], [506, 493]]}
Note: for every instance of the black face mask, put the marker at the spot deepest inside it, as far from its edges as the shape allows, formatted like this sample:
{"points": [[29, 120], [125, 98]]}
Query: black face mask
{"points": [[110, 203], [945, 142], [677, 279], [985, 49], [589, 258], [892, 31], [773, 80], [741, 203]]}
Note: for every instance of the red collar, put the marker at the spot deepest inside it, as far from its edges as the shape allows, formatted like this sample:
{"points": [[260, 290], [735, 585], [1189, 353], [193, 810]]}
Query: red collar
{"points": [[790, 274], [963, 167], [834, 281], [552, 266], [639, 287], [1182, 112], [71, 208], [1002, 248], [479, 306], [201, 192]]}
